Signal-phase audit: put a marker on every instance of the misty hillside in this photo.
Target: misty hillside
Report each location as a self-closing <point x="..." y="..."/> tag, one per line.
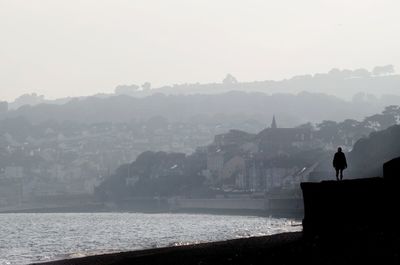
<point x="379" y="84"/>
<point x="342" y="83"/>
<point x="370" y="153"/>
<point x="291" y="110"/>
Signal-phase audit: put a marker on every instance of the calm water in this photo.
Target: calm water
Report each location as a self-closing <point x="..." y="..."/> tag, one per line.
<point x="26" y="238"/>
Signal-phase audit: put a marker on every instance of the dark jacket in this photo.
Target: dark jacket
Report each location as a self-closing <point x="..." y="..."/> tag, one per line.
<point x="339" y="161"/>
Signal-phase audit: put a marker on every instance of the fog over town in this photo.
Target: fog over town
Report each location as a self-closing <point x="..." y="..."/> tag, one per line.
<point x="190" y="139"/>
<point x="194" y="98"/>
<point x="186" y="106"/>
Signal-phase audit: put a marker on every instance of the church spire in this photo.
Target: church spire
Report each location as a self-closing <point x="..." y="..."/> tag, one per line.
<point x="273" y="124"/>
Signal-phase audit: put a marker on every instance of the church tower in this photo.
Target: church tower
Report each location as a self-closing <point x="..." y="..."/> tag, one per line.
<point x="273" y="124"/>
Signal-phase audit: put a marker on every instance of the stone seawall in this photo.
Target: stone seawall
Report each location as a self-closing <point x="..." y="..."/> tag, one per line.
<point x="222" y="204"/>
<point x="292" y="207"/>
<point x="355" y="206"/>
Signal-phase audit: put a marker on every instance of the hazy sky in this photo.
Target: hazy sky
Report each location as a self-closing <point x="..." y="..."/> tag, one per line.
<point x="70" y="47"/>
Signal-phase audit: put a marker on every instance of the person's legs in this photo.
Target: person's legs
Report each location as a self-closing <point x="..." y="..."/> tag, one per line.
<point x="337" y="173"/>
<point x="341" y="174"/>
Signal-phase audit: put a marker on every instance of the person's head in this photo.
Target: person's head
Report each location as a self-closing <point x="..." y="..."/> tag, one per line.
<point x="339" y="149"/>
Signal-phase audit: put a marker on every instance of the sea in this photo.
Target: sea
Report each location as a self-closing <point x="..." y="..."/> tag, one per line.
<point x="38" y="237"/>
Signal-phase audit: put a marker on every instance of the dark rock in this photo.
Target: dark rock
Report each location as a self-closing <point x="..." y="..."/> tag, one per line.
<point x="391" y="170"/>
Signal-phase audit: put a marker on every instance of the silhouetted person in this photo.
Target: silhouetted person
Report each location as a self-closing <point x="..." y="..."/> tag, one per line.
<point x="339" y="163"/>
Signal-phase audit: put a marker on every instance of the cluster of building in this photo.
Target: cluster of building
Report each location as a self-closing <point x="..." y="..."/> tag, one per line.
<point x="272" y="159"/>
<point x="259" y="172"/>
<point x="71" y="163"/>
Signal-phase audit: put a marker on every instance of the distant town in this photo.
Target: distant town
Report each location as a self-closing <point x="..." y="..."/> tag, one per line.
<point x="184" y="147"/>
<point x="47" y="165"/>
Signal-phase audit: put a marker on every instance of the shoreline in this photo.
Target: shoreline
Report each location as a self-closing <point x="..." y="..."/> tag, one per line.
<point x="219" y="252"/>
<point x="291" y="248"/>
<point x="79" y="235"/>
